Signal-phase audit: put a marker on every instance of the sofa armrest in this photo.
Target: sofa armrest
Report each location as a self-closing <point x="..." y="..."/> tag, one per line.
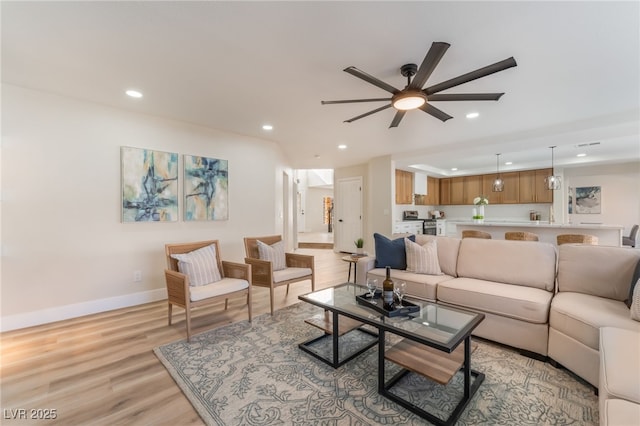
<point x="295" y="260"/>
<point x="177" y="287"/>
<point x="364" y="265"/>
<point x="261" y="271"/>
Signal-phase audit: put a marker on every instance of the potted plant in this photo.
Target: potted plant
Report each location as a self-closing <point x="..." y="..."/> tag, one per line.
<point x="359" y="245"/>
<point x="478" y="213"/>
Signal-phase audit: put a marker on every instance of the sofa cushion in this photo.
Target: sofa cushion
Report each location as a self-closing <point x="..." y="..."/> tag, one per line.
<point x="634" y="283"/>
<point x="201" y="265"/>
<point x="580" y="316"/>
<point x="514" y="301"/>
<point x="523" y="263"/>
<point x="619" y="364"/>
<point x="390" y="253"/>
<point x="290" y="274"/>
<point x="584" y="269"/>
<point x="274" y="253"/>
<point x="618" y="412"/>
<point x="224" y="286"/>
<point x="422" y="286"/>
<point x="448" y="248"/>
<point x="422" y="259"/>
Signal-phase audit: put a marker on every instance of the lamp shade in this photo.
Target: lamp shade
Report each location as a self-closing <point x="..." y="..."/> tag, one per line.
<point x="498" y="183"/>
<point x="408" y="100"/>
<point x="553" y="182"/>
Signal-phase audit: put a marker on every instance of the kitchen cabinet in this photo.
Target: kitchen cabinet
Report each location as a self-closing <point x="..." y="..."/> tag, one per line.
<point x="408" y="227"/>
<point x="433" y="191"/>
<point x="533" y="188"/>
<point x="445" y="191"/>
<point x="457" y="190"/>
<point x="404" y="187"/>
<point x="510" y="193"/>
<point x="472" y="188"/>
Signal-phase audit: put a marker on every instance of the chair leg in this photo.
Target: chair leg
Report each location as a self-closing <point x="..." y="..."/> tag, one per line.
<point x="287" y="293"/>
<point x="249" y="304"/>
<point x="313" y="282"/>
<point x="188" y="315"/>
<point x="170" y="312"/>
<point x="226" y="304"/>
<point x="271" y="290"/>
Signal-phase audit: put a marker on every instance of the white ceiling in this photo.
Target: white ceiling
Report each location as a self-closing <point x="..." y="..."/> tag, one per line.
<point x="237" y="65"/>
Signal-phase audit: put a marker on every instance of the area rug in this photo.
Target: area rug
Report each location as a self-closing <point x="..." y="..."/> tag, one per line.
<point x="255" y="374"/>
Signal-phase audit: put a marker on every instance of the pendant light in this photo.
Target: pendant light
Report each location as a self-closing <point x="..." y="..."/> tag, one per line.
<point x="553" y="182"/>
<point x="498" y="183"/>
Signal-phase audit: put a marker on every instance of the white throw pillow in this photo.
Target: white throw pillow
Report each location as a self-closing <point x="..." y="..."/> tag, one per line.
<point x="422" y="259"/>
<point x="274" y="253"/>
<point x="199" y="265"/>
<point x="635" y="302"/>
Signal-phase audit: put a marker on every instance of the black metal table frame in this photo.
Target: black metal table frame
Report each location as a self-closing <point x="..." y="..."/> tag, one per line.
<point x="469" y="388"/>
<point x="335" y="362"/>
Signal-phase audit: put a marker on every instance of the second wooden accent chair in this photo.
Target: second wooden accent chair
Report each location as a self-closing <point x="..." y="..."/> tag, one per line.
<point x="476" y="234"/>
<point x="196" y="276"/>
<point x="272" y="270"/>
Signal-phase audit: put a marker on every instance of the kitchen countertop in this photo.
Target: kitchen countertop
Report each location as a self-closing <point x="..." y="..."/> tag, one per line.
<point x="536" y="224"/>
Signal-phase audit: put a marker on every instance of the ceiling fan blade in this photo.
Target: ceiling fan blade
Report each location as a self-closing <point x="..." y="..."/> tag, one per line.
<point x="367" y="113"/>
<point x="371" y="79"/>
<point x="429" y="64"/>
<point x="470" y="76"/>
<point x="440" y="115"/>
<point x="349" y="101"/>
<point x="397" y="118"/>
<point x="464" y="97"/>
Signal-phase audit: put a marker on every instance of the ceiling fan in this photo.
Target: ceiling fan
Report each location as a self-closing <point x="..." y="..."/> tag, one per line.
<point x="414" y="96"/>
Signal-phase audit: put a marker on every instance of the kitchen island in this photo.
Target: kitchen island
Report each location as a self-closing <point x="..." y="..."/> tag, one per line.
<point x="608" y="235"/>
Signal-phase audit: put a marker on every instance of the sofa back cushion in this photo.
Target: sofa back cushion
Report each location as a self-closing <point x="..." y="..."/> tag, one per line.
<point x="525" y="263"/>
<point x="596" y="270"/>
<point x="447" y="251"/>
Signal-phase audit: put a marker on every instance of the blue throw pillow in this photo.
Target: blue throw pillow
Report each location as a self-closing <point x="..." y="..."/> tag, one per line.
<point x="391" y="252"/>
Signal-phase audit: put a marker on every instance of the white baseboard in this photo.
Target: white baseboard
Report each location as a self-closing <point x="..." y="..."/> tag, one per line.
<point x="59" y="313"/>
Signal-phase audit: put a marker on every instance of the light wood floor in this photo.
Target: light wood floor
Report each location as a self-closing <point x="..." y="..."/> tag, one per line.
<point x="100" y="369"/>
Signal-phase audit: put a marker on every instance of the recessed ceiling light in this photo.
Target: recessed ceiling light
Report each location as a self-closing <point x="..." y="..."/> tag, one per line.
<point x="133" y="93"/>
<point x="508" y="163"/>
<point x="342" y="146"/>
<point x="473" y="115"/>
<point x="582" y="154"/>
<point x="267" y="127"/>
<point x="453" y="169"/>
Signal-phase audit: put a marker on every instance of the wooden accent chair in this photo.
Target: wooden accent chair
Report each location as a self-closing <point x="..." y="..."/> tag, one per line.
<point x="235" y="281"/>
<point x="520" y="236"/>
<point x="299" y="267"/>
<point x="577" y="239"/>
<point x="476" y="234"/>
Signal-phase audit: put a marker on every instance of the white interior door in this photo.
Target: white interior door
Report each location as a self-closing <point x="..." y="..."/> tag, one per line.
<point x="348" y="213"/>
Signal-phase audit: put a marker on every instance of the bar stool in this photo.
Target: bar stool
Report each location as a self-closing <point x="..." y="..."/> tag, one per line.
<point x="520" y="236"/>
<point x="577" y="238"/>
<point x="476" y="234"/>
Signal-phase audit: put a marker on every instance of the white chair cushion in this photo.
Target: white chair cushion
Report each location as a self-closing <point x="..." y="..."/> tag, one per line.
<point x="422" y="259"/>
<point x="199" y="265"/>
<point x="224" y="286"/>
<point x="290" y="274"/>
<point x="274" y="253"/>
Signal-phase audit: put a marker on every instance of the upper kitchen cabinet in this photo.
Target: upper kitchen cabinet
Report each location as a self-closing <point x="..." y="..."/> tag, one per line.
<point x="404" y="187"/>
<point x="511" y="190"/>
<point x="433" y="191"/>
<point x="445" y="191"/>
<point x="457" y="190"/>
<point x="533" y="188"/>
<point x="472" y="188"/>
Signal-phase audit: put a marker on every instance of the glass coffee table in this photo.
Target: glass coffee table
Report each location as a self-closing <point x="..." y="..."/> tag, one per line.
<point x="434" y="342"/>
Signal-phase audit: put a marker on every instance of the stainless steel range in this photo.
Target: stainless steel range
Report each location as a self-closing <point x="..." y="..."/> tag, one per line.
<point x="428" y="225"/>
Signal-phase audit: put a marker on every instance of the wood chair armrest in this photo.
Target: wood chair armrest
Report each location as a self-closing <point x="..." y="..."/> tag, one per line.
<point x="177" y="286"/>
<point x="261" y="271"/>
<point x="295" y="260"/>
<point x="236" y="270"/>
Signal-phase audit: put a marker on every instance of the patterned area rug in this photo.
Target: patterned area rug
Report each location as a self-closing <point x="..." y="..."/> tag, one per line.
<point x="255" y="374"/>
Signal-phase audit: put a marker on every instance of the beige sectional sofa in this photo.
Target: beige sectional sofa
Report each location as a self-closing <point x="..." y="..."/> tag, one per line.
<point x="551" y="301"/>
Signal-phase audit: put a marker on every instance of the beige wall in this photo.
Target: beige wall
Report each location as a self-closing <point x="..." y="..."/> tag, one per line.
<point x="65" y="251"/>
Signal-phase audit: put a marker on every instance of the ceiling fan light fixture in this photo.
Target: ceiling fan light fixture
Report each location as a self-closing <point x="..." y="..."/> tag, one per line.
<point x="407" y="100"/>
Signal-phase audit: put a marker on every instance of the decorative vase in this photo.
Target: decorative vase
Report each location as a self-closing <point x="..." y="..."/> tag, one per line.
<point x="481" y="212"/>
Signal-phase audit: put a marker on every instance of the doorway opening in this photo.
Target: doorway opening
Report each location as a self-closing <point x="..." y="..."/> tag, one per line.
<point x="314" y="208"/>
